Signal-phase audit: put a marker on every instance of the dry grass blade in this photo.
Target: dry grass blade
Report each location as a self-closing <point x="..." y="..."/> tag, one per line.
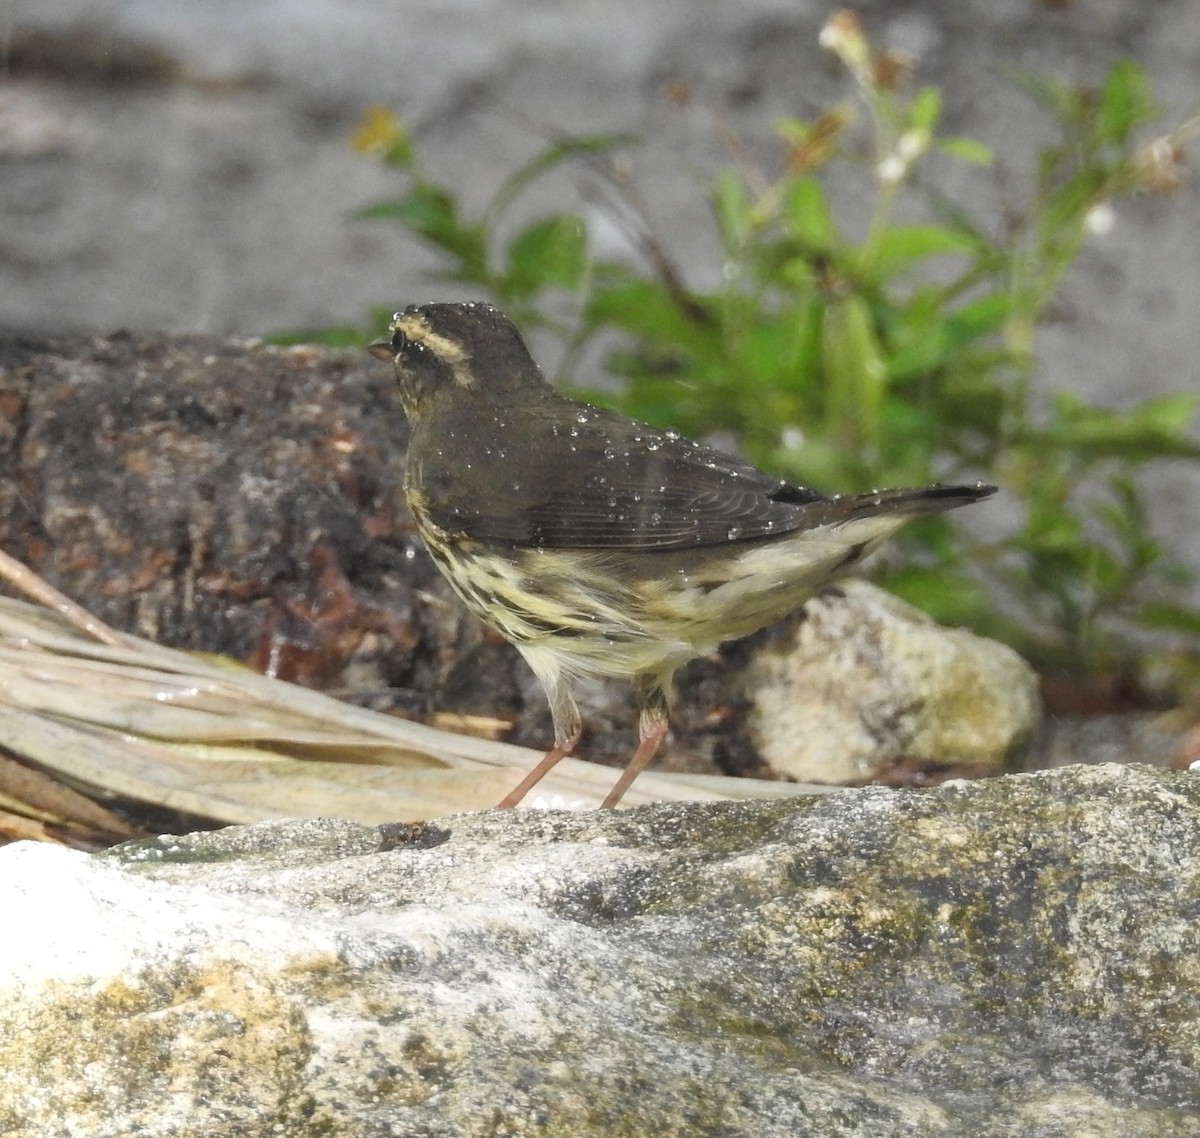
<point x="32" y="804"/>
<point x="125" y="717"/>
<point x="25" y="580"/>
<point x="39" y="796"/>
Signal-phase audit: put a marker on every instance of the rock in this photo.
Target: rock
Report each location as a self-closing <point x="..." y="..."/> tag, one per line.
<point x="1152" y="737"/>
<point x="860" y="683"/>
<point x="1003" y="958"/>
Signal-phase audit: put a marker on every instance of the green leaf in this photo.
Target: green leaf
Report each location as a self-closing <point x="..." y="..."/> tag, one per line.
<point x="1169" y="416"/>
<point x="1181" y="619"/>
<point x="949" y="597"/>
<point x="855" y="372"/>
<point x="807" y="212"/>
<point x="646" y="309"/>
<point x="926" y="341"/>
<point x="979" y="318"/>
<point x="732" y="210"/>
<point x="425" y="208"/>
<point x="1156" y="428"/>
<point x="966" y="150"/>
<point x="1051" y="528"/>
<point x="432" y="213"/>
<point x="552" y="252"/>
<point x="1125" y="102"/>
<point x="926" y="110"/>
<point x="1103" y="572"/>
<point x="901" y="247"/>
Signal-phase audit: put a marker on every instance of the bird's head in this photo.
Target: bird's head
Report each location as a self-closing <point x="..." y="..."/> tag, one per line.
<point x="439" y="350"/>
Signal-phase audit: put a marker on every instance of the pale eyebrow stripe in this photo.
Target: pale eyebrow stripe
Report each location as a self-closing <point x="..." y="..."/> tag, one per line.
<point x="414" y="328"/>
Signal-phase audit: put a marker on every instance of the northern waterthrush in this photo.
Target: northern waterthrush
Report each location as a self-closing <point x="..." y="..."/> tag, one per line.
<point x="598" y="545"/>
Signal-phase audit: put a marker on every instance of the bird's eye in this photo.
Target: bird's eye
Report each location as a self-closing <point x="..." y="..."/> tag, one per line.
<point x="399" y="340"/>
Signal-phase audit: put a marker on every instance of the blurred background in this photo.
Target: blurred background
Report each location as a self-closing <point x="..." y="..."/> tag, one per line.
<point x="184" y="165"/>
<point x="177" y="166"/>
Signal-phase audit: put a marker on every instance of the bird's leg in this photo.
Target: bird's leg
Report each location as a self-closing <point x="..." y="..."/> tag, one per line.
<point x="551" y="759"/>
<point x="567" y="729"/>
<point x="652" y="731"/>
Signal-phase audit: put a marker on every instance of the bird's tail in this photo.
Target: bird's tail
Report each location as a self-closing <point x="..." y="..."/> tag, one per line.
<point x="920" y="500"/>
<point x="898" y="505"/>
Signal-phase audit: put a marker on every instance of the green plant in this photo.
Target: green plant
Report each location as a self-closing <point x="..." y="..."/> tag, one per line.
<point x="897" y="355"/>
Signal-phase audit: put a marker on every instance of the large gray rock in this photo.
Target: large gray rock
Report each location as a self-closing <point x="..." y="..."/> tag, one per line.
<point x="1004" y="958"/>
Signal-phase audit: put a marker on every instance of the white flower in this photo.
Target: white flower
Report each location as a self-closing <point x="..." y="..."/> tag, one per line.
<point x="1100" y="219"/>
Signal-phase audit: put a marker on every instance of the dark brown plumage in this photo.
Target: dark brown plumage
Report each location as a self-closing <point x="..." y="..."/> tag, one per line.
<point x="596" y="544"/>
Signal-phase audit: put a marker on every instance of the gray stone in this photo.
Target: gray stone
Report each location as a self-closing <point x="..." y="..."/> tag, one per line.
<point x="860" y="682"/>
<point x="1013" y="957"/>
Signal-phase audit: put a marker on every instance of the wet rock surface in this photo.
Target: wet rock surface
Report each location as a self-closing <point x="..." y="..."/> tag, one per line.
<point x="1002" y="958"/>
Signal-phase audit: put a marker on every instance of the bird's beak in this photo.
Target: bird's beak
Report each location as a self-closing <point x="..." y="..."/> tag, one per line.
<point x="382" y="350"/>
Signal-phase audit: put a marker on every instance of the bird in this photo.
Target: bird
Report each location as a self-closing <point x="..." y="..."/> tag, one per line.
<point x="598" y="545"/>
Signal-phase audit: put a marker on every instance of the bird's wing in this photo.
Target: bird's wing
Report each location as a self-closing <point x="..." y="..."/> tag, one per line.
<point x="593" y="479"/>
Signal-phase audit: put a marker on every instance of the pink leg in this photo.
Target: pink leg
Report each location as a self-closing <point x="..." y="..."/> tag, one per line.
<point x="567" y="729"/>
<point x="652" y="729"/>
<point x="551" y="760"/>
<point x="647" y="749"/>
